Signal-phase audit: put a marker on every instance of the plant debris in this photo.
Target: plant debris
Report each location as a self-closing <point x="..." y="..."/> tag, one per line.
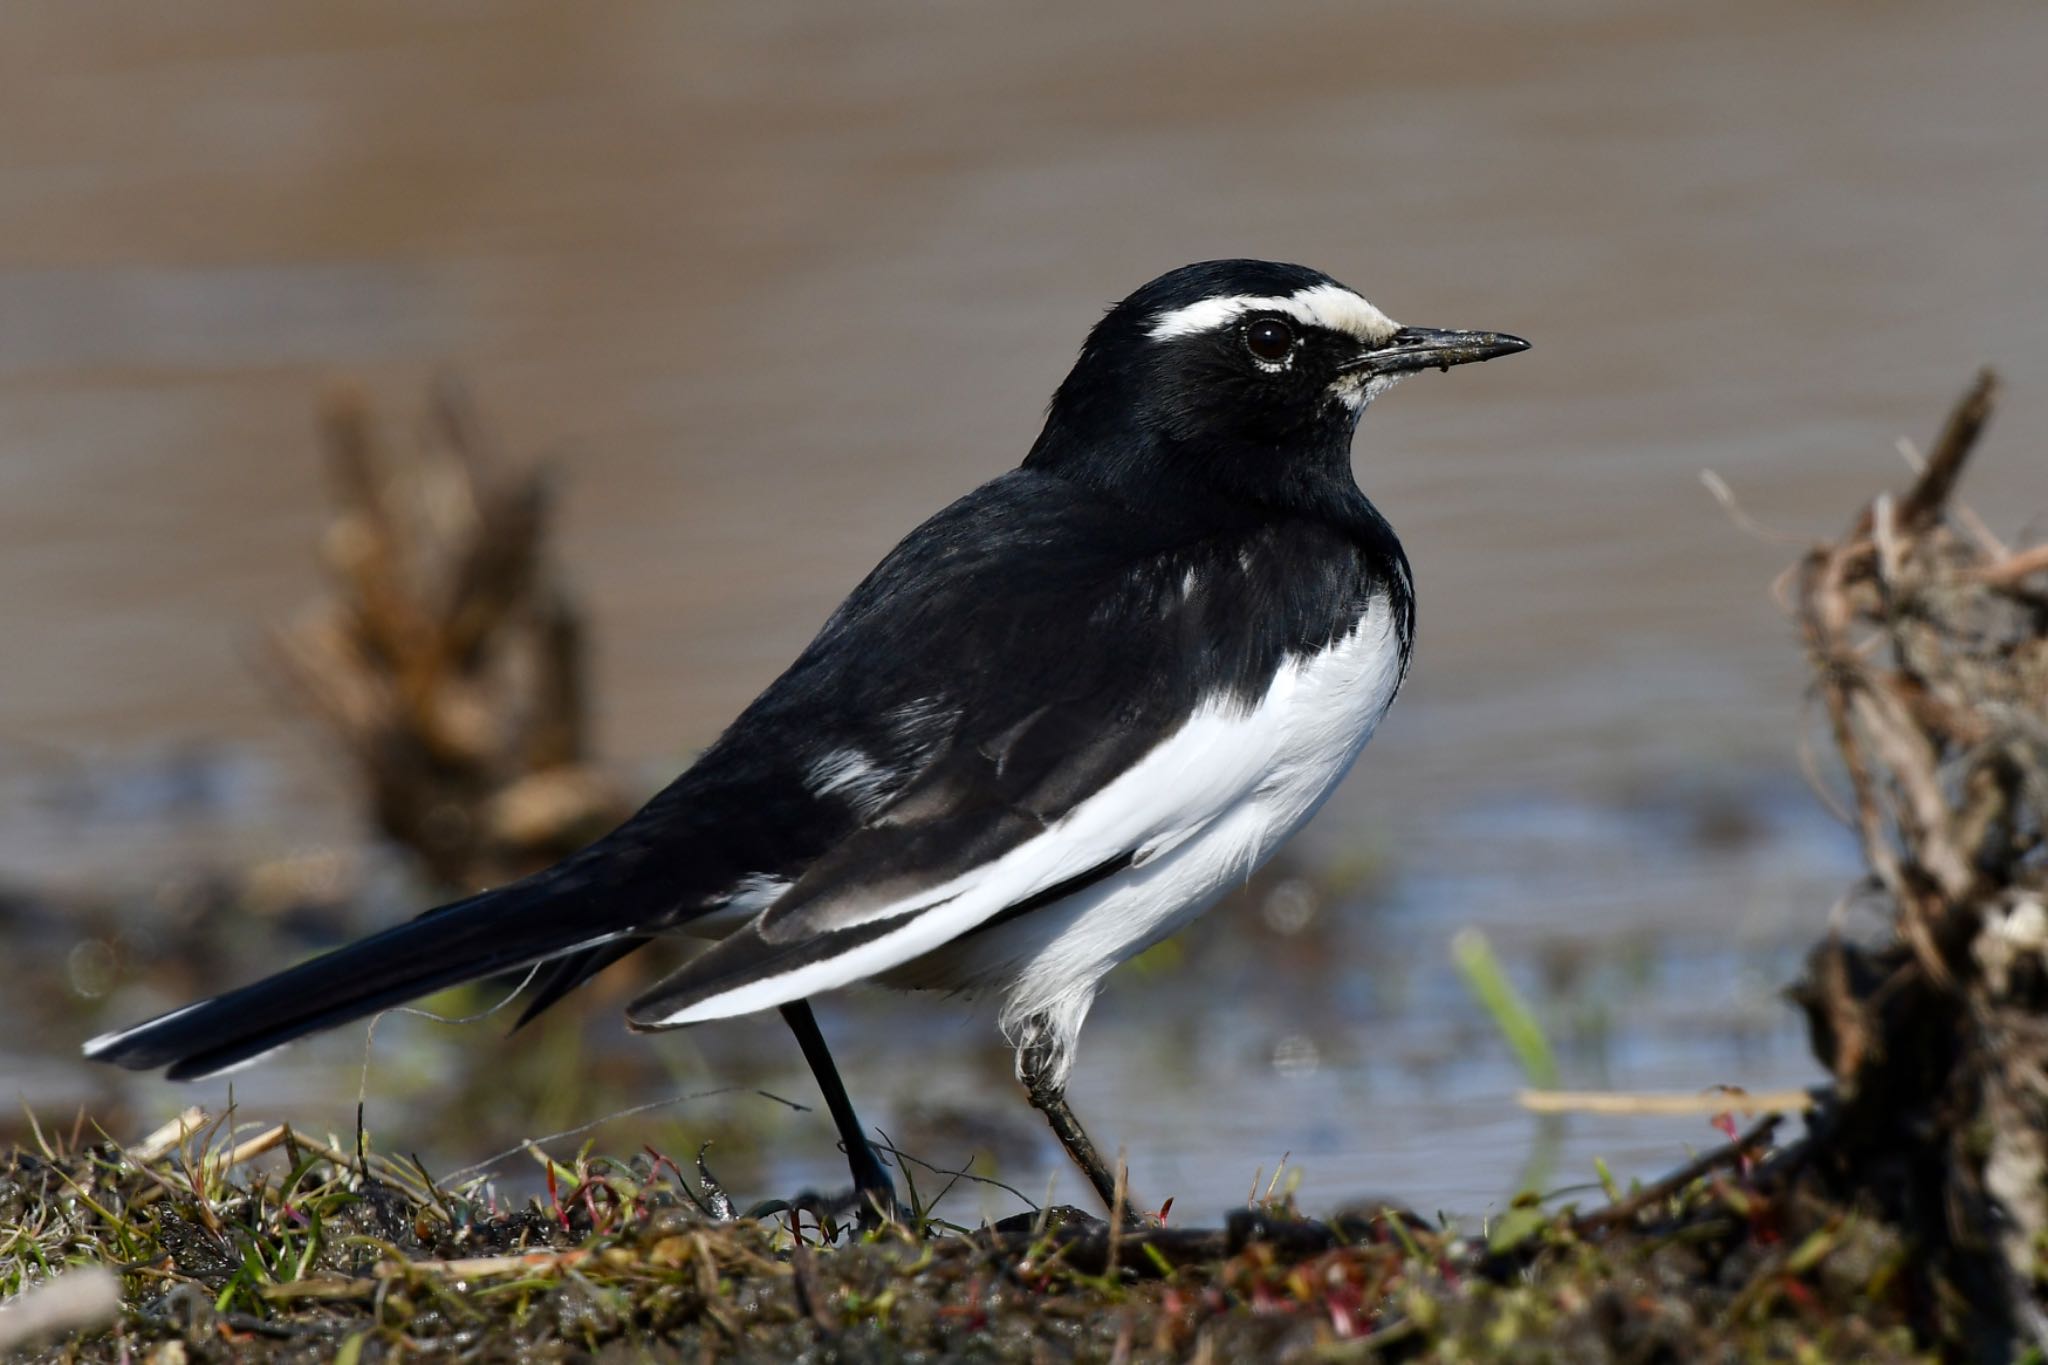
<point x="1928" y="639"/>
<point x="292" y="1249"/>
<point x="450" y="667"/>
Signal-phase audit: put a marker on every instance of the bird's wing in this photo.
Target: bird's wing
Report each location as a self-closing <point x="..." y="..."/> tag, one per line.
<point x="1089" y="700"/>
<point x="968" y="842"/>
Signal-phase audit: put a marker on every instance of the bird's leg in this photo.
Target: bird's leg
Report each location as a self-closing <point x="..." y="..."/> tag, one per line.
<point x="1036" y="1069"/>
<point x="872" y="1187"/>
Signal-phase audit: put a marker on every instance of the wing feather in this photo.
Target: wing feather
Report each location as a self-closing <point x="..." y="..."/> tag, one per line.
<point x="971" y="850"/>
<point x="1085" y="681"/>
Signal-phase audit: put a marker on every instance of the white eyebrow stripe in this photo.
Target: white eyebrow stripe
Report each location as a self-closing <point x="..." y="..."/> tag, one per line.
<point x="1319" y="305"/>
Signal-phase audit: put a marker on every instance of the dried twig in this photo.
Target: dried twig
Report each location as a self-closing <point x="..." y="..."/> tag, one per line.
<point x="1647" y="1104"/>
<point x="1966" y="422"/>
<point x="1728" y="1154"/>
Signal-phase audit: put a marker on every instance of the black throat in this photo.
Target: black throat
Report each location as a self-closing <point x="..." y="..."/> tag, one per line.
<point x="1141" y="448"/>
<point x="1289" y="507"/>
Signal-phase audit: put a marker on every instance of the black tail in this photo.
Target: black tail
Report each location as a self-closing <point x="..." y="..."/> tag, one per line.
<point x="547" y="915"/>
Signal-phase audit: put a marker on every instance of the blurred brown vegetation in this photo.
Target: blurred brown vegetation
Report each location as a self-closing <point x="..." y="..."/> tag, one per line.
<point x="1928" y="639"/>
<point x="449" y="665"/>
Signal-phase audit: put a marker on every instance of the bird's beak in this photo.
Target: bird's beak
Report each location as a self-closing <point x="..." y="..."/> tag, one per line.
<point x="1433" y="348"/>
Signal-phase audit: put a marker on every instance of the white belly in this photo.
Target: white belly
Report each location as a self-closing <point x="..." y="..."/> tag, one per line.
<point x="1299" y="740"/>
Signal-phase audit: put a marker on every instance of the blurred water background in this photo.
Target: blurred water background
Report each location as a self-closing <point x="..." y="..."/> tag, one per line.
<point x="769" y="282"/>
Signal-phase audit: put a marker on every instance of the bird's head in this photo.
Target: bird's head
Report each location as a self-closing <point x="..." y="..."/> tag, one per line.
<point x="1239" y="373"/>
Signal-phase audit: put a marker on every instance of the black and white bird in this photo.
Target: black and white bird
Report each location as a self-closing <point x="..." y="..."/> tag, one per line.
<point x="1062" y="718"/>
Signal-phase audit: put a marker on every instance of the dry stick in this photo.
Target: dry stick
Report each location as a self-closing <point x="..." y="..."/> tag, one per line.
<point x="1116" y="1208"/>
<point x="1824" y="616"/>
<point x="166" y="1139"/>
<point x="1836" y="678"/>
<point x="265" y="1141"/>
<point x="1922" y="504"/>
<point x="333" y="1156"/>
<point x="1884" y="534"/>
<point x="469" y="1268"/>
<point x="1904" y="749"/>
<point x="2009" y="571"/>
<point x="1726" y="1155"/>
<point x="477" y="1267"/>
<point x="1647" y="1103"/>
<point x="1916" y="912"/>
<point x="1958" y="437"/>
<point x="1809" y="767"/>
<point x="322" y="1289"/>
<point x="1860" y="708"/>
<point x="1744" y="522"/>
<point x="1937" y="715"/>
<point x="1986" y="539"/>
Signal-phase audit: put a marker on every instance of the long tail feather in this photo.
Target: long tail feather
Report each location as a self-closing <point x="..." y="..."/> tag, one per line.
<point x="498" y="931"/>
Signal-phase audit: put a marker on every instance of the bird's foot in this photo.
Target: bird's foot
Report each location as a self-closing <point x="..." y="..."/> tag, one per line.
<point x="874" y="1193"/>
<point x="868" y="1210"/>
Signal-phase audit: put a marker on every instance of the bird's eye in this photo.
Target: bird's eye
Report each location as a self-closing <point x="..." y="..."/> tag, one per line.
<point x="1269" y="339"/>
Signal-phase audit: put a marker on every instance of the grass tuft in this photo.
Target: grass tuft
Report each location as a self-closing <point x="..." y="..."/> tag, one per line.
<point x="257" y="1242"/>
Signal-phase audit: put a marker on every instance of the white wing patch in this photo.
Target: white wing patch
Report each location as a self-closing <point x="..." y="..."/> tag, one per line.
<point x="1320" y="305"/>
<point x="750" y="895"/>
<point x="1252" y="774"/>
<point x="851" y="772"/>
<point x="1166" y="796"/>
<point x="917" y="724"/>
